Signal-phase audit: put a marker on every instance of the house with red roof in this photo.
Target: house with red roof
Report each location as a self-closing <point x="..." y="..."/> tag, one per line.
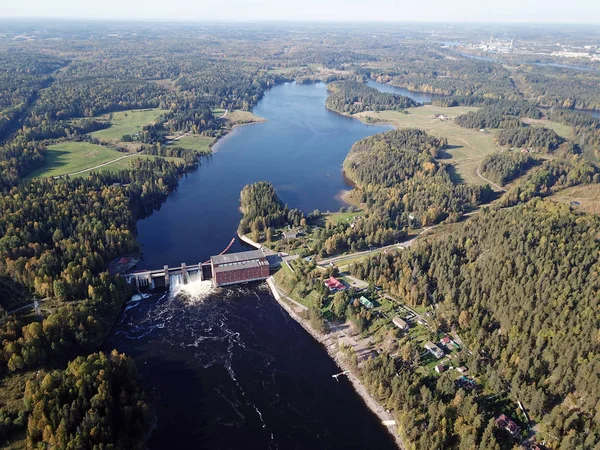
<point x="506" y="423"/>
<point x="333" y="284"/>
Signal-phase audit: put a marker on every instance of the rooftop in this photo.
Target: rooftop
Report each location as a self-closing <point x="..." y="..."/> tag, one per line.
<point x="237" y="257"/>
<point x="238" y="265"/>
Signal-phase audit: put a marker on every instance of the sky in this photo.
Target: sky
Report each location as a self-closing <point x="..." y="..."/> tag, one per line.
<point x="553" y="11"/>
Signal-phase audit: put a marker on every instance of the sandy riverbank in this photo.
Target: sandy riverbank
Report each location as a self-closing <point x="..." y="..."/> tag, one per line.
<point x="327" y="340"/>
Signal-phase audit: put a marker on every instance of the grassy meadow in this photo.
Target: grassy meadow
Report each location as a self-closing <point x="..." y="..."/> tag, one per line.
<point x="194" y="142"/>
<point x="69" y="157"/>
<point x="127" y="122"/>
<point x="467" y="147"/>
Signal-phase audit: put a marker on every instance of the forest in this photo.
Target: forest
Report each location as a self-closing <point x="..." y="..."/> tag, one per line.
<point x="57" y="236"/>
<point x="264" y="211"/>
<point x="551" y="176"/>
<point x="351" y="97"/>
<point x="537" y="138"/>
<point x="503" y="167"/>
<point x="398" y="175"/>
<point x="499" y="114"/>
<point x="520" y="285"/>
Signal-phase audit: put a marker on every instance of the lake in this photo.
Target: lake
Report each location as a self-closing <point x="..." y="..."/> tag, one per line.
<point x="228" y="368"/>
<point x="300" y="149"/>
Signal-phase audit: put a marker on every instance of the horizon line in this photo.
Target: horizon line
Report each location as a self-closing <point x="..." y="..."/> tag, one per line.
<point x="286" y="21"/>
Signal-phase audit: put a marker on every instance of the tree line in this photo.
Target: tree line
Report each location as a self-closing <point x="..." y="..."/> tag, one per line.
<point x="503" y="167"/>
<point x="518" y="285"/>
<point x="352" y="97"/>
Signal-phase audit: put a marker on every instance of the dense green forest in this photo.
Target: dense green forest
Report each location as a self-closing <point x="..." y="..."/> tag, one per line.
<point x="537" y="138"/>
<point x="504" y="167"/>
<point x="97" y="402"/>
<point x="586" y="128"/>
<point x="521" y="287"/>
<point x="560" y="87"/>
<point x="57" y="236"/>
<point x="550" y="177"/>
<point x="398" y="175"/>
<point x="264" y="211"/>
<point x="500" y="114"/>
<point x="428" y="70"/>
<point x="352" y="97"/>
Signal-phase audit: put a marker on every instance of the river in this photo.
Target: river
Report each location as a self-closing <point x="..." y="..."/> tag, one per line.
<point x="421" y="97"/>
<point x="228" y="368"/>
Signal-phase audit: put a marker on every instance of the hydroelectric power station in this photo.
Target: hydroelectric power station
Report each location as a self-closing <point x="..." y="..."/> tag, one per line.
<point x="223" y="270"/>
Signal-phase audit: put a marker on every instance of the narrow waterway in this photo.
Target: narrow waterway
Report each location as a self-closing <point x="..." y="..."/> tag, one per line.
<point x="228" y="368"/>
<point x="421" y="97"/>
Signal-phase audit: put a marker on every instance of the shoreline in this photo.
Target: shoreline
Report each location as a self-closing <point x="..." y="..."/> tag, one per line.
<point x="357" y="384"/>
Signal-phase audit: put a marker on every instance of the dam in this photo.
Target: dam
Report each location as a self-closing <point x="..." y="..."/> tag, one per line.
<point x="223" y="270"/>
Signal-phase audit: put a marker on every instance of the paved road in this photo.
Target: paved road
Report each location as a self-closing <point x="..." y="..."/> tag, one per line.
<point x="405" y="244"/>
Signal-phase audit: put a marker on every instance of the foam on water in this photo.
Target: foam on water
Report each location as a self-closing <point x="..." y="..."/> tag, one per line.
<point x="194" y="291"/>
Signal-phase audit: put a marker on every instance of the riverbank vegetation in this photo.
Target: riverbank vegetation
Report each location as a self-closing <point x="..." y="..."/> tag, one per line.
<point x="508" y="351"/>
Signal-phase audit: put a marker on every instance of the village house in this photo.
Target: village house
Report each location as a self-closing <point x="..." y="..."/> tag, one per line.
<point x="290" y="234"/>
<point x="400" y="323"/>
<point x="333" y="284"/>
<point x="440" y="368"/>
<point x="462" y="370"/>
<point x="506" y="423"/>
<point x="434" y="349"/>
<point x="447" y="342"/>
<point x="366" y="302"/>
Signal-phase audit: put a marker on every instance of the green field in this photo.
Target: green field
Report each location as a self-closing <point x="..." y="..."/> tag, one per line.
<point x="125" y="163"/>
<point x="69" y="157"/>
<point x="564" y="131"/>
<point x="588" y="197"/>
<point x="339" y="217"/>
<point x="194" y="142"/>
<point x="127" y="122"/>
<point x="467" y="147"/>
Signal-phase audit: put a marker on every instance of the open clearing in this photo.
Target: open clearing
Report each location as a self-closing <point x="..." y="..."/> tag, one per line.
<point x="564" y="131"/>
<point x="588" y="197"/>
<point x="68" y="157"/>
<point x="467" y="147"/>
<point x="193" y="142"/>
<point x="125" y="163"/>
<point x="127" y="122"/>
<point x="239" y="117"/>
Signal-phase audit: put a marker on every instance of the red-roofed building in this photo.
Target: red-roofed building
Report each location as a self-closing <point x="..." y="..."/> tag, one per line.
<point x="334" y="284"/>
<point x="506" y="423"/>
